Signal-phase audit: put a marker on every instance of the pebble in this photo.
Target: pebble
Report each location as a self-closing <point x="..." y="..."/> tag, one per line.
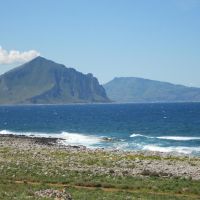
<point x="41" y="147"/>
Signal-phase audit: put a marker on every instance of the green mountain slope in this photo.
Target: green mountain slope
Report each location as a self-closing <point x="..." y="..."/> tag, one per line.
<point x="131" y="89"/>
<point x="42" y="81"/>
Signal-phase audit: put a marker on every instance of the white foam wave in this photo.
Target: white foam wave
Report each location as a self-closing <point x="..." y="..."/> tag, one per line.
<point x="178" y="149"/>
<point x="137" y="135"/>
<point x="178" y="138"/>
<point x="5" y="132"/>
<point x="91" y="141"/>
<point x="79" y="139"/>
<point x="68" y="138"/>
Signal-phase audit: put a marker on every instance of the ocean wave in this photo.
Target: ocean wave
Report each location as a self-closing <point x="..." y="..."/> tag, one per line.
<point x="178" y="149"/>
<point x="139" y="135"/>
<point x="93" y="141"/>
<point x="79" y="139"/>
<point x="5" y="132"/>
<point x="177" y="138"/>
<point x="68" y="138"/>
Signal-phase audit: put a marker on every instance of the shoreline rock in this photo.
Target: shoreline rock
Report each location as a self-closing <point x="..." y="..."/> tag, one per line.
<point x="118" y="162"/>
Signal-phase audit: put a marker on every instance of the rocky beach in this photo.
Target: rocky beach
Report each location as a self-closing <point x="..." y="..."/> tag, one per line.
<point x="113" y="162"/>
<point x="46" y="160"/>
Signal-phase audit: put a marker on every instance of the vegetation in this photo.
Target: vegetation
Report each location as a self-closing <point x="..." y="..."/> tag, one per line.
<point x="42" y="81"/>
<point x="25" y="171"/>
<point x="131" y="89"/>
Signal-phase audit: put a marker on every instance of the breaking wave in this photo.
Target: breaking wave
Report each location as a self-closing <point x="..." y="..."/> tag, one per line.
<point x="176" y="138"/>
<point x="94" y="141"/>
<point x="68" y="138"/>
<point x="178" y="149"/>
<point x="137" y="135"/>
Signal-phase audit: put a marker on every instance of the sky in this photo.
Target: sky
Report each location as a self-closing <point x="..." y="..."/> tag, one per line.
<point x="155" y="39"/>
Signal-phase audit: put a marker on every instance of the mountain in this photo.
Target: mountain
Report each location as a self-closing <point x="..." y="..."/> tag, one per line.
<point x="42" y="81"/>
<point x="131" y="89"/>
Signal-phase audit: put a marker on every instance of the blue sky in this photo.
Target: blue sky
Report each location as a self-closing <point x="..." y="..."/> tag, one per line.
<point x="154" y="39"/>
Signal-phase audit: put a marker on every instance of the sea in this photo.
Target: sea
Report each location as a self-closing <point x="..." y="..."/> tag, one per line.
<point x="161" y="127"/>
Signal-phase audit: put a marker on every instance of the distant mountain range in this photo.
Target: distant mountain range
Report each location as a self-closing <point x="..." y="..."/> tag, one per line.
<point x="139" y="90"/>
<point x="42" y="81"/>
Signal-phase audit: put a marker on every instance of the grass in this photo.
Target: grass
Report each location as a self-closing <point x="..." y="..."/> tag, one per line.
<point x="27" y="191"/>
<point x="44" y="168"/>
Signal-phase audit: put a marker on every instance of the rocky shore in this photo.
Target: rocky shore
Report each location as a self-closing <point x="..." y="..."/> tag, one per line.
<point x="54" y="155"/>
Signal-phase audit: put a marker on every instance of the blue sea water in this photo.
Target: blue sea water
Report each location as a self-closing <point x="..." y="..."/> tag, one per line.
<point x="173" y="127"/>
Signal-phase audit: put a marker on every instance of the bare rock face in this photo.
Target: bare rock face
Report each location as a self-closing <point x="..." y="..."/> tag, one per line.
<point x="42" y="81"/>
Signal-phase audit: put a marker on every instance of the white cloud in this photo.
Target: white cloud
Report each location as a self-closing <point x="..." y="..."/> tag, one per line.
<point x="14" y="56"/>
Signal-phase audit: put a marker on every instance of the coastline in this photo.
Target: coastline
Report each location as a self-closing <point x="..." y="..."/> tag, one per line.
<point x="114" y="162"/>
